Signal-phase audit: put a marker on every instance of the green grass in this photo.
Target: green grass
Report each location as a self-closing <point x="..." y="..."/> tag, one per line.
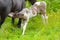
<point x="36" y="30"/>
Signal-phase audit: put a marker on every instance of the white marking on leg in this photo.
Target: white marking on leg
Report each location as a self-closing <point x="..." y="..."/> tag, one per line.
<point x="46" y="18"/>
<point x="43" y="18"/>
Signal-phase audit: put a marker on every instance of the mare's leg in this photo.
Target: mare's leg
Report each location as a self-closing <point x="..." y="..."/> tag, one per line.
<point x="19" y="23"/>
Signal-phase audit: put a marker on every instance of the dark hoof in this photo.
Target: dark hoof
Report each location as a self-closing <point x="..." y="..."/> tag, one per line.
<point x="18" y="26"/>
<point x="0" y="26"/>
<point x="12" y="23"/>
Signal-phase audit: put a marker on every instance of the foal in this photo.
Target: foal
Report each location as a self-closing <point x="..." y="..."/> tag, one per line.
<point x="27" y="13"/>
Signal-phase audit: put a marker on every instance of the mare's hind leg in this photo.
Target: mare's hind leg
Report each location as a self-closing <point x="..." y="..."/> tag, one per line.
<point x="2" y="19"/>
<point x="4" y="13"/>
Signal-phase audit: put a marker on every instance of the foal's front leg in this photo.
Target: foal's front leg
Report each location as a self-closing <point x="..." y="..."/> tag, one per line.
<point x="24" y="26"/>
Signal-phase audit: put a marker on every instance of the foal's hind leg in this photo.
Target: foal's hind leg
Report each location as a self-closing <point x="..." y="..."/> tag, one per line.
<point x="44" y="16"/>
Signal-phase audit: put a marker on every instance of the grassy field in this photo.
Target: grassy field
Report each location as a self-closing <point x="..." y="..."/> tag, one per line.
<point x="36" y="30"/>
